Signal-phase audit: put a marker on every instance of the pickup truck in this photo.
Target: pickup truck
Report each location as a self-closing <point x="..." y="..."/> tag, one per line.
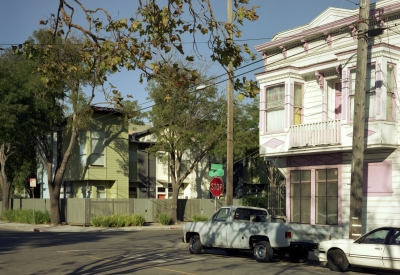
<point x="235" y="228"/>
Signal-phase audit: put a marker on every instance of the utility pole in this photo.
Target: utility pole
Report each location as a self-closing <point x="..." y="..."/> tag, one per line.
<point x="357" y="158"/>
<point x="229" y="147"/>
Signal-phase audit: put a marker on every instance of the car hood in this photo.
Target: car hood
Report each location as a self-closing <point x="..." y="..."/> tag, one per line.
<point x="343" y="244"/>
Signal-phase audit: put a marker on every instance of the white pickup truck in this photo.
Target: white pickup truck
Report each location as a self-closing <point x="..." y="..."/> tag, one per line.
<point x="235" y="228"/>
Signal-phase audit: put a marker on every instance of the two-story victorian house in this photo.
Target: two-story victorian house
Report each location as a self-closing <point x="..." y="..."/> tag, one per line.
<point x="306" y="116"/>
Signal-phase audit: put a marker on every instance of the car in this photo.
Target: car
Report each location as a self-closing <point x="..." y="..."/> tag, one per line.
<point x="377" y="249"/>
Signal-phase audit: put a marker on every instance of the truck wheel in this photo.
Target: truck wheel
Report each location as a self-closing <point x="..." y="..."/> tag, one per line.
<point x="195" y="246"/>
<point x="298" y="254"/>
<point x="263" y="251"/>
<point x="337" y="261"/>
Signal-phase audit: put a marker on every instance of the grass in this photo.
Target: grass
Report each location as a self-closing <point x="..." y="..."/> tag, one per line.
<point x="118" y="220"/>
<point x="26" y="216"/>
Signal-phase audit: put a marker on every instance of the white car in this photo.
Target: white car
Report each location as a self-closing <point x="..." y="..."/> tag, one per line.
<point x="377" y="249"/>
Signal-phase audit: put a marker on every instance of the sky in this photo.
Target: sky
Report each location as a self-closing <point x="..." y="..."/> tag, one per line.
<point x="19" y="18"/>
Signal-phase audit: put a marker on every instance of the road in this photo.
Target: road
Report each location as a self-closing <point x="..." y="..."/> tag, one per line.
<point x="139" y="252"/>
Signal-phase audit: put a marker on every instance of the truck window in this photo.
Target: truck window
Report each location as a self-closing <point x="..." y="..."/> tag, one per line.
<point x="222" y="215"/>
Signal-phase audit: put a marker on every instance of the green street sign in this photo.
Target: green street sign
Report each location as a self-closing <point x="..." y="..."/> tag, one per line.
<point x="216" y="173"/>
<point x="215" y="166"/>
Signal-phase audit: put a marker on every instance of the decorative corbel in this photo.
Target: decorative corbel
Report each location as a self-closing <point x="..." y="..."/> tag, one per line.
<point x="305" y="45"/>
<point x="381" y="22"/>
<point x="284" y="51"/>
<point x="328" y="39"/>
<point x="353" y="32"/>
<point x="264" y="57"/>
<point x="320" y="79"/>
<point x="339" y="70"/>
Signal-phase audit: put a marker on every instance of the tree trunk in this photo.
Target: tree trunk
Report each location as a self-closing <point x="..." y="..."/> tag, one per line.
<point x="5" y="185"/>
<point x="55" y="185"/>
<point x="174" y="202"/>
<point x="5" y="189"/>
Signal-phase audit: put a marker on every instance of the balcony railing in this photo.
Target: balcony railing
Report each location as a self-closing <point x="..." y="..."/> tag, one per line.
<point x="314" y="134"/>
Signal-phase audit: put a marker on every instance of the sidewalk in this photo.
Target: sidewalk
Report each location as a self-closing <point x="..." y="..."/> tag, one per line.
<point x="70" y="228"/>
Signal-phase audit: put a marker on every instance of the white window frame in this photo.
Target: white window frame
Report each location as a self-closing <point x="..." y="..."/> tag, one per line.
<point x="97" y="155"/>
<point x="275" y="109"/>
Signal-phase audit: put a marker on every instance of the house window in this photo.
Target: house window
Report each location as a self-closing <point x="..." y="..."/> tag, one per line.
<point x="298" y="104"/>
<point x="338" y="100"/>
<point x="300" y="190"/>
<point x="275" y="106"/>
<point x="326" y="196"/>
<point x="82" y="147"/>
<point x="326" y="184"/>
<point x="97" y="148"/>
<point x="390" y="90"/>
<point x="101" y="192"/>
<point x="370" y="88"/>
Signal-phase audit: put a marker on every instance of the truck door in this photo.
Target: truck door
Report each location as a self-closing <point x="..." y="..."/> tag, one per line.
<point x="217" y="231"/>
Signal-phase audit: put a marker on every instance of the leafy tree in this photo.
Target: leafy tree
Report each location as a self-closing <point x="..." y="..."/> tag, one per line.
<point x="187" y="126"/>
<point x="18" y="85"/>
<point x="64" y="73"/>
<point x="110" y="44"/>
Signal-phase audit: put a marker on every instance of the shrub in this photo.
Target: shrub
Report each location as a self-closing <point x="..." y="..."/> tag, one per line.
<point x="199" y="218"/>
<point x="255" y="201"/>
<point x="164" y="219"/>
<point x="26" y="216"/>
<point x="118" y="220"/>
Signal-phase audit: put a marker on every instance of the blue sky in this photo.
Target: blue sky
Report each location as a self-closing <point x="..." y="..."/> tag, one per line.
<point x="19" y="18"/>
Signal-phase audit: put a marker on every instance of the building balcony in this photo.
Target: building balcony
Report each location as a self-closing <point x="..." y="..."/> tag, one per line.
<point x="327" y="137"/>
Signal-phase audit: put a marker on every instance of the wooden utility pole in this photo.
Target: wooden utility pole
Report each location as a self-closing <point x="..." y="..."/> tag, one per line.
<point x="229" y="147"/>
<point x="357" y="159"/>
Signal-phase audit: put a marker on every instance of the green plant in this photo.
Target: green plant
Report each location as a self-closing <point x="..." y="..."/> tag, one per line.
<point x="118" y="220"/>
<point x="164" y="218"/>
<point x="255" y="201"/>
<point x="26" y="216"/>
<point x="199" y="218"/>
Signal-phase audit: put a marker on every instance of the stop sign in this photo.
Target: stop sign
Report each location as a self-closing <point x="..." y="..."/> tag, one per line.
<point x="216" y="187"/>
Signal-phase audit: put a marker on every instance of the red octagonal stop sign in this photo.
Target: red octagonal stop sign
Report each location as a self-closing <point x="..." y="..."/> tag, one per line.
<point x="216" y="187"/>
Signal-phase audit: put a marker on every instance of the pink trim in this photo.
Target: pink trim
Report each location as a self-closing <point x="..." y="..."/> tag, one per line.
<point x="305" y="45"/>
<point x="377" y="178"/>
<point x="263" y="111"/>
<point x="328" y="38"/>
<point x="378" y="88"/>
<point x="288" y="196"/>
<point x="314" y="162"/>
<point x="321" y="80"/>
<point x="273" y="143"/>
<point x="284" y="51"/>
<point x="327" y="27"/>
<point x="338" y="102"/>
<point x="288" y="103"/>
<point x="353" y="32"/>
<point x="345" y="96"/>
<point x="264" y="57"/>
<point x="312" y="201"/>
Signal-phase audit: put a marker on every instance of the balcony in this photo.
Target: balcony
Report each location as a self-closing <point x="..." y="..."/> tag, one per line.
<point x="315" y="134"/>
<point x="328" y="137"/>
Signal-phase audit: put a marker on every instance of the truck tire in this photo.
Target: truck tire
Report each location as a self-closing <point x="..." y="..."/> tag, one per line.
<point x="337" y="261"/>
<point x="195" y="246"/>
<point x="297" y="254"/>
<point x="263" y="252"/>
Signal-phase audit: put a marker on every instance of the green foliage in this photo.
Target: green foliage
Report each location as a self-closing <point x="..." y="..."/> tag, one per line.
<point x="164" y="218"/>
<point x="199" y="218"/>
<point x="26" y="216"/>
<point x="255" y="201"/>
<point x="152" y="30"/>
<point x="118" y="220"/>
